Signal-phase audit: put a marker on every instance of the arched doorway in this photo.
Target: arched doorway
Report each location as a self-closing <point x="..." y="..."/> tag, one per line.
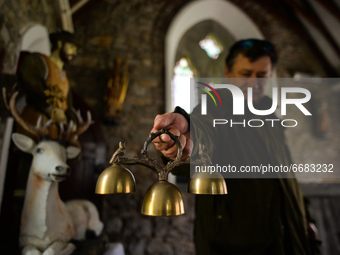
<point x="233" y="21"/>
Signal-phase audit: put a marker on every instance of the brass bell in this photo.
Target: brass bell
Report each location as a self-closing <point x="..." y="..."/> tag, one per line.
<point x="116" y="179"/>
<point x="163" y="199"/>
<point x="207" y="183"/>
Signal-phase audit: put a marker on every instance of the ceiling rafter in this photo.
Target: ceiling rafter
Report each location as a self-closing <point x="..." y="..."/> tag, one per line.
<point x="331" y="7"/>
<point x="308" y="12"/>
<point x="81" y="8"/>
<point x="76" y="6"/>
<point x="288" y="17"/>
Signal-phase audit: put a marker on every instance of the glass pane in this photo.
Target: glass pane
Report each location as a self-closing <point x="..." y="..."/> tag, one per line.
<point x="180" y="85"/>
<point x="211" y="46"/>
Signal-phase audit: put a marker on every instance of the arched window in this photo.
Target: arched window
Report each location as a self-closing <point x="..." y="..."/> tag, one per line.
<point x="227" y="15"/>
<point x="211" y="46"/>
<point x="180" y="84"/>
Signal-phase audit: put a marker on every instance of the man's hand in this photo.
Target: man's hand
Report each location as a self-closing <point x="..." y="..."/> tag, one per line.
<point x="177" y="125"/>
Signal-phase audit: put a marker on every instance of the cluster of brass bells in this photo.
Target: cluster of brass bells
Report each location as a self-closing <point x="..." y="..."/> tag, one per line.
<point x="162" y="198"/>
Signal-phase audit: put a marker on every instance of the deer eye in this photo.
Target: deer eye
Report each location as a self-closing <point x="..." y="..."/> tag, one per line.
<point x="40" y="150"/>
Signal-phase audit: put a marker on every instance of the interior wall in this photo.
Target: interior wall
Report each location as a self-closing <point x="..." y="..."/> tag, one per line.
<point x="135" y="30"/>
<point x="15" y="16"/>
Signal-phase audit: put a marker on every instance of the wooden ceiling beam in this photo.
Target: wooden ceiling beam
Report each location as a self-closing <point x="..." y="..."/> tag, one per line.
<point x="308" y="12"/>
<point x="331" y="7"/>
<point x="85" y="9"/>
<point x="78" y="5"/>
<point x="284" y="15"/>
<point x="287" y="15"/>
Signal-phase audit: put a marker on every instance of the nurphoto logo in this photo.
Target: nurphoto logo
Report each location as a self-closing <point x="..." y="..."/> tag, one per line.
<point x="239" y="99"/>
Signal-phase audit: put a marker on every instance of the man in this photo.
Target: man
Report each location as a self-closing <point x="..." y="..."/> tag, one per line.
<point x="258" y="216"/>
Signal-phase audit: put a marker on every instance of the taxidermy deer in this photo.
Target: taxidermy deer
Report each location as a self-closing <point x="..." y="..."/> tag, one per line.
<point x="47" y="223"/>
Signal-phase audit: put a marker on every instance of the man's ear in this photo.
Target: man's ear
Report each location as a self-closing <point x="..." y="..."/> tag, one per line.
<point x="226" y="71"/>
<point x="23" y="142"/>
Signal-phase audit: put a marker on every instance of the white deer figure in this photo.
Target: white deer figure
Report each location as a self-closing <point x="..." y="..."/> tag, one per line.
<point x="47" y="223"/>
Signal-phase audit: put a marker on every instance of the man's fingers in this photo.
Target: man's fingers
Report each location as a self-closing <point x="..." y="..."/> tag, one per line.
<point x="170" y="153"/>
<point x="170" y="120"/>
<point x="165" y="138"/>
<point x="177" y="125"/>
<point x="163" y="121"/>
<point x="162" y="146"/>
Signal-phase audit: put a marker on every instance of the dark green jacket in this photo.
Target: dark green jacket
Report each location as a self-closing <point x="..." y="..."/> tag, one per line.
<point x="258" y="215"/>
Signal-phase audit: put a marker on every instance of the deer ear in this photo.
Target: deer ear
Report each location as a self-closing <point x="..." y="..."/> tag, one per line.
<point x="23" y="142"/>
<point x="72" y="152"/>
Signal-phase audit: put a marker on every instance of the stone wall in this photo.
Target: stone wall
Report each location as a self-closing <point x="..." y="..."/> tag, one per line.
<point x="15" y="16"/>
<point x="294" y="51"/>
<point x="135" y="30"/>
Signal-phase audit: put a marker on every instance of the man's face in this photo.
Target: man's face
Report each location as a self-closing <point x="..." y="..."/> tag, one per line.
<point x="67" y="52"/>
<point x="243" y="68"/>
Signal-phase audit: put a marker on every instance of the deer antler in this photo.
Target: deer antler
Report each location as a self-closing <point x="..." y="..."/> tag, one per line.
<point x="14" y="112"/>
<point x="41" y="130"/>
<point x="4" y="95"/>
<point x="82" y="126"/>
<point x="38" y="131"/>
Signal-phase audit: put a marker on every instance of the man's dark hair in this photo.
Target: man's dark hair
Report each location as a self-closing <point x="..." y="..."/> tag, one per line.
<point x="63" y="36"/>
<point x="252" y="49"/>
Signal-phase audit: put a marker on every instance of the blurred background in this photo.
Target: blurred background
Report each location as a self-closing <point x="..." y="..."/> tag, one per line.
<point x="149" y="49"/>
